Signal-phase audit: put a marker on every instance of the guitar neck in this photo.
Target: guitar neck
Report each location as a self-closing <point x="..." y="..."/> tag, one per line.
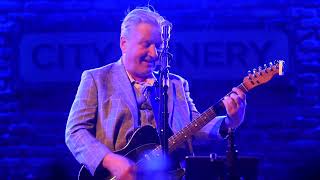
<point x="194" y="126"/>
<point x="181" y="136"/>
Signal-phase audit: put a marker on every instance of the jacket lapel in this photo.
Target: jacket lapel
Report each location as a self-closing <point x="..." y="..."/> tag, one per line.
<point x="171" y="97"/>
<point x="125" y="90"/>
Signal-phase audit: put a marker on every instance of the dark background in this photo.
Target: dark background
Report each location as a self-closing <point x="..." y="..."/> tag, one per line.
<point x="281" y="127"/>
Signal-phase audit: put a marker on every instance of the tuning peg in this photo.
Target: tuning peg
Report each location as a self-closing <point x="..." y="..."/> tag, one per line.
<point x="265" y="68"/>
<point x="260" y="70"/>
<point x="254" y="70"/>
<point x="249" y="74"/>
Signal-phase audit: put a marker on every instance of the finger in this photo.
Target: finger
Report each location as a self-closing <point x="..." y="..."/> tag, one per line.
<point x="239" y="92"/>
<point x="128" y="174"/>
<point x="229" y="103"/>
<point x="242" y="95"/>
<point x="236" y="99"/>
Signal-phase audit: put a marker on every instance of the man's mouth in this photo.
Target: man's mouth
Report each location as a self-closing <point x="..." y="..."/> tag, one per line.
<point x="150" y="61"/>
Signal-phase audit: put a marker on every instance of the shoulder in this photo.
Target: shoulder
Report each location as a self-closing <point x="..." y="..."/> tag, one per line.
<point x="177" y="78"/>
<point x="103" y="70"/>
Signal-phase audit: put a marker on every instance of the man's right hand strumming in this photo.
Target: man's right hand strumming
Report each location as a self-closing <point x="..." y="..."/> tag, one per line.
<point x="119" y="166"/>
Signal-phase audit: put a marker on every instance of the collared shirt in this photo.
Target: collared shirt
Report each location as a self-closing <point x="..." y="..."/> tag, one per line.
<point x="141" y="86"/>
<point x="143" y="91"/>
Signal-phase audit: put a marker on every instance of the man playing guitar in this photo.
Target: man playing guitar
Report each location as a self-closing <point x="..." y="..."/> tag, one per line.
<point x="115" y="100"/>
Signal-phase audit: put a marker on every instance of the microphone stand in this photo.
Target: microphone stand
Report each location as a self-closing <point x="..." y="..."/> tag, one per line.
<point x="164" y="114"/>
<point x="232" y="157"/>
<point x="164" y="86"/>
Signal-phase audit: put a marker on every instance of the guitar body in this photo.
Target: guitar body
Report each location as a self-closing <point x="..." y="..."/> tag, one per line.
<point x="143" y="140"/>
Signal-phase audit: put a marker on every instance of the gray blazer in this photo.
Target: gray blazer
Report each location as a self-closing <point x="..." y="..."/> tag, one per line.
<point x="105" y="111"/>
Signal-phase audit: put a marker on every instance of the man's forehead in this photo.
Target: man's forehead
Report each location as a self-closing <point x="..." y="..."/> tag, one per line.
<point x="152" y="39"/>
<point x="148" y="26"/>
<point x="150" y="32"/>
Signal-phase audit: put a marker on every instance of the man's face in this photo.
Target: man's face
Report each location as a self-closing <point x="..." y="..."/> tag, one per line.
<point x="139" y="49"/>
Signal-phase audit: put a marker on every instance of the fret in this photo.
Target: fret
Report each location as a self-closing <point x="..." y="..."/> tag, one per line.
<point x="240" y="86"/>
<point x="243" y="88"/>
<point x="182" y="135"/>
<point x="173" y="140"/>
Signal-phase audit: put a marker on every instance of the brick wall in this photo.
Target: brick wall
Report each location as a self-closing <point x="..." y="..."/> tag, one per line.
<point x="282" y="122"/>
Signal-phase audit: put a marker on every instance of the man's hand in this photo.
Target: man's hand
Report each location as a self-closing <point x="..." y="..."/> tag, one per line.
<point x="235" y="105"/>
<point x="119" y="166"/>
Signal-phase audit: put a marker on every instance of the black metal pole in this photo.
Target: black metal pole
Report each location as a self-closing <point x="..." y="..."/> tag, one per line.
<point x="164" y="86"/>
<point x="164" y="112"/>
<point x="232" y="157"/>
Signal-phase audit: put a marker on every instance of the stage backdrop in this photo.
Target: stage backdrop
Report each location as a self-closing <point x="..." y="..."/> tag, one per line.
<point x="46" y="45"/>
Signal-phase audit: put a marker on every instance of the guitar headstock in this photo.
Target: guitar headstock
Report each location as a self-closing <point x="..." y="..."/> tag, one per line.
<point x="263" y="74"/>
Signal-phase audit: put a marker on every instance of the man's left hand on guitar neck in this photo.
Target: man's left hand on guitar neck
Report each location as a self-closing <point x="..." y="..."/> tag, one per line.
<point x="235" y="105"/>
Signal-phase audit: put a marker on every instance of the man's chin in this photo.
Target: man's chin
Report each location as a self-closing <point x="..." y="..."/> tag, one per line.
<point x="149" y="68"/>
<point x="147" y="74"/>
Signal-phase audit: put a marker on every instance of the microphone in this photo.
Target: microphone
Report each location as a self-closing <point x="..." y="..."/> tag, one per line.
<point x="166" y="27"/>
<point x="165" y="56"/>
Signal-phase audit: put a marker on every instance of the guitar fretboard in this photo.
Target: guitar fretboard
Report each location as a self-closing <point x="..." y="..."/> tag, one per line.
<point x="180" y="137"/>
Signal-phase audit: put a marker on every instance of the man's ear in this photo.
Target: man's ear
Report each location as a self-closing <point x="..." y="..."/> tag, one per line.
<point x="123" y="44"/>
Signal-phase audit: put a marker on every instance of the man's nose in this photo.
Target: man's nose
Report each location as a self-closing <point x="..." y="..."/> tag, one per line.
<point x="153" y="51"/>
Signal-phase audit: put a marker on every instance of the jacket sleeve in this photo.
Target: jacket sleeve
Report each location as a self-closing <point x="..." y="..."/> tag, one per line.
<point x="81" y="125"/>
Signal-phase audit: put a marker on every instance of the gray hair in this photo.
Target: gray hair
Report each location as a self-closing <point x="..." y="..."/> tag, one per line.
<point x="140" y="15"/>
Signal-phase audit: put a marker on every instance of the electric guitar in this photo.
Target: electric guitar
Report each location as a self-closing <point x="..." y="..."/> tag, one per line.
<point x="143" y="146"/>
